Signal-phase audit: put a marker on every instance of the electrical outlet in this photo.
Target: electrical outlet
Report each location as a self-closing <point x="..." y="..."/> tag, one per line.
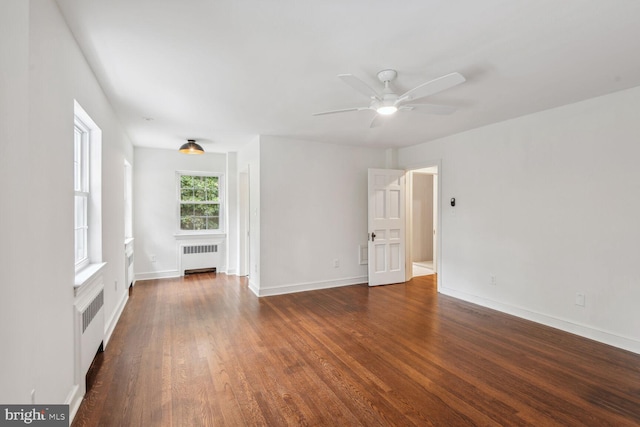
<point x="580" y="299"/>
<point x="492" y="278"/>
<point x="116" y="285"/>
<point x="33" y="396"/>
<point x="153" y="258"/>
<point x="336" y="263"/>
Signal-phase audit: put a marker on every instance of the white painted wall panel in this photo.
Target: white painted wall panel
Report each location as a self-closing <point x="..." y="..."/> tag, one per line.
<point x="548" y="204"/>
<point x="45" y="73"/>
<point x="16" y="275"/>
<point x="314" y="211"/>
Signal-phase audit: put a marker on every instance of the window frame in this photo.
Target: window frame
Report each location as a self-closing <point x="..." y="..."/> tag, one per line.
<point x="220" y="203"/>
<point x="92" y="172"/>
<point x="82" y="191"/>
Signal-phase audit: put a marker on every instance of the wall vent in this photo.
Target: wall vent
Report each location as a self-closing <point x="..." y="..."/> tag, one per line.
<point x="90" y="312"/>
<point x="199" y="249"/>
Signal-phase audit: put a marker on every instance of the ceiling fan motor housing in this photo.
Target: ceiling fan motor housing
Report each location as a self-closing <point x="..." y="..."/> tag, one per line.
<point x="387" y="75"/>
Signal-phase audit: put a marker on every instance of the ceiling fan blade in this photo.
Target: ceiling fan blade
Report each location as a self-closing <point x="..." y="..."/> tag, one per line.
<point x="344" y="110"/>
<point x="376" y="122"/>
<point x="431" y="108"/>
<point x="359" y="85"/>
<point x="434" y="86"/>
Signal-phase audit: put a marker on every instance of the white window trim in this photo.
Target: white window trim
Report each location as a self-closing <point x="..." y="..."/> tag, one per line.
<point x="83" y="191"/>
<point x="94" y="153"/>
<point x="179" y="234"/>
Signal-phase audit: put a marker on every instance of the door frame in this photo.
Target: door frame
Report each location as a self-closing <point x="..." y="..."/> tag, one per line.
<point x="244" y="248"/>
<point x="409" y="218"/>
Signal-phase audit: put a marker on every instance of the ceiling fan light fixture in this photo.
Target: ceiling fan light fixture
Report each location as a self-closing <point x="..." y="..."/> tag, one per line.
<point x="191" y="147"/>
<point x="386" y="102"/>
<point x="386" y="110"/>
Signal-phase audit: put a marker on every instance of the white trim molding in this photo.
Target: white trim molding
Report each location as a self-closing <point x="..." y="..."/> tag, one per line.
<point x="113" y="321"/>
<point x="150" y="275"/>
<point x="74" y="399"/>
<point x="585" y="331"/>
<point x="199" y="235"/>
<point x="308" y="286"/>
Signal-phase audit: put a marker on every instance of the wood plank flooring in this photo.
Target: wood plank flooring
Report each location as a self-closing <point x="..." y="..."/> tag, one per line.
<point x="204" y="351"/>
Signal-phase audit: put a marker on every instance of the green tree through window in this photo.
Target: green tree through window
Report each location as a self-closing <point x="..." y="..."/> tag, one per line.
<point x="199" y="202"/>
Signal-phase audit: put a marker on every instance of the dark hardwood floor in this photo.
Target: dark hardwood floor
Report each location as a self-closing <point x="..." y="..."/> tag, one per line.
<point x="204" y="351"/>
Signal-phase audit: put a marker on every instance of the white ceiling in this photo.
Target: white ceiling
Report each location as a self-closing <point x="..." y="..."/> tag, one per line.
<point x="223" y="71"/>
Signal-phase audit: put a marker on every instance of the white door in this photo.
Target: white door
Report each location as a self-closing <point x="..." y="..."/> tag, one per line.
<point x="386" y="227"/>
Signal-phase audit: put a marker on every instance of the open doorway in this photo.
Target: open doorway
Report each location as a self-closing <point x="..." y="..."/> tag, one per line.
<point x="422" y="221"/>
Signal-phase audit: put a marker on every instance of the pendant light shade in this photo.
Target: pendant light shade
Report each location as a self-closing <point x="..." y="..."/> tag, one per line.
<point x="191" y="147"/>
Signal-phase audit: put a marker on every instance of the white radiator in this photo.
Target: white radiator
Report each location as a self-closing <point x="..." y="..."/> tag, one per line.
<point x="89" y="318"/>
<point x="198" y="257"/>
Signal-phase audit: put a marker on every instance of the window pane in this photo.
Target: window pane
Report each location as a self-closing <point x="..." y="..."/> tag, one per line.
<point x="201" y="210"/>
<point x="199" y="223"/>
<point x="80" y="244"/>
<point x="186" y="195"/>
<point x="199" y="182"/>
<point x="213" y="210"/>
<point x="79" y="212"/>
<point x="77" y="160"/>
<point x="212" y="188"/>
<point x="186" y="209"/>
<point x="186" y="181"/>
<point x="186" y="223"/>
<point x="212" y="223"/>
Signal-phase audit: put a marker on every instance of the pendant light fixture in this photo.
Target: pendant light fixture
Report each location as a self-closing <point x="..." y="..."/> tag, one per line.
<point x="191" y="147"/>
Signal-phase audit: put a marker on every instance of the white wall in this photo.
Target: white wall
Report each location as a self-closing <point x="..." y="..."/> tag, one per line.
<point x="44" y="73"/>
<point x="155" y="206"/>
<point x="548" y="204"/>
<point x="314" y="211"/>
<point x="17" y="283"/>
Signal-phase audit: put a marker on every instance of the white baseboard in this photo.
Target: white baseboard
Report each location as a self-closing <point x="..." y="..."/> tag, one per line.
<point x="585" y="331"/>
<point x="166" y="274"/>
<point x="254" y="288"/>
<point x="74" y="399"/>
<point x="113" y="321"/>
<point x="309" y="286"/>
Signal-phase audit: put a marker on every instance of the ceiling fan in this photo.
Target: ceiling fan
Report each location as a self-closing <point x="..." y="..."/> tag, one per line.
<point x="387" y="102"/>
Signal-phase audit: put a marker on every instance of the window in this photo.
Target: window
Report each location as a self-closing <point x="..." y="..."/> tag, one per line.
<point x="199" y="202"/>
<point x="128" y="201"/>
<point x="87" y="186"/>
<point x="81" y="188"/>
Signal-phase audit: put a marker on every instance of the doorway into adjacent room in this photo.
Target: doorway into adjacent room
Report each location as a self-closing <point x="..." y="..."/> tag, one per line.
<point x="423" y="221"/>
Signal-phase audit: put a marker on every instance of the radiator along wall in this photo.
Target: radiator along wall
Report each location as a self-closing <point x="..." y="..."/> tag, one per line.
<point x="547" y="204"/>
